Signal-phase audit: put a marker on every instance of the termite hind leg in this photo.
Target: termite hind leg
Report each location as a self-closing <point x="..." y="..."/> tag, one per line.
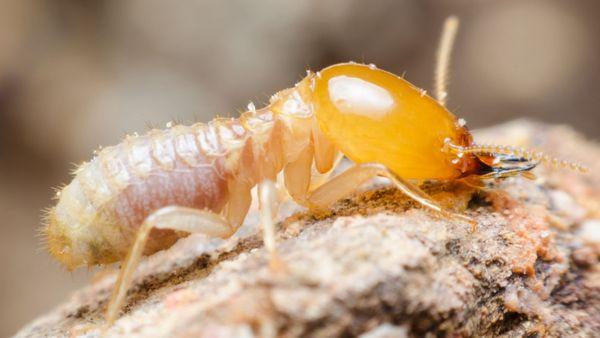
<point x="348" y="181"/>
<point x="268" y="205"/>
<point x="172" y="217"/>
<point x="298" y="175"/>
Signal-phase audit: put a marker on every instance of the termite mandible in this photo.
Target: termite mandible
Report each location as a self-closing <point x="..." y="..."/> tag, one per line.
<point x="141" y="195"/>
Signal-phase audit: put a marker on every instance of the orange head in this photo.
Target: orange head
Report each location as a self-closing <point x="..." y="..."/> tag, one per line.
<point x="375" y="116"/>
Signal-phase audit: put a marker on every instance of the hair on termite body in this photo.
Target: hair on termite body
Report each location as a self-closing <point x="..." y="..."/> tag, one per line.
<point x="143" y="194"/>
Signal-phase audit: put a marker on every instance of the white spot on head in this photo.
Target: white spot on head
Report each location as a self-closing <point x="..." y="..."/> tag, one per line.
<point x="352" y="95"/>
<point x="462" y="122"/>
<point x="372" y="66"/>
<point x="423" y="92"/>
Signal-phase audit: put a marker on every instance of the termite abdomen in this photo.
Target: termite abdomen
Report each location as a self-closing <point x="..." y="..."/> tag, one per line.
<point x="98" y="213"/>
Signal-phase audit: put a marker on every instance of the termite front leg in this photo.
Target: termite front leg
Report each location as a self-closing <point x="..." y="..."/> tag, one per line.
<point x="172" y="217"/>
<point x="347" y="182"/>
<point x="297" y="175"/>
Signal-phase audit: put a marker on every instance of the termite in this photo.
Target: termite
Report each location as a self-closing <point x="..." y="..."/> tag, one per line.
<point x="143" y="194"/>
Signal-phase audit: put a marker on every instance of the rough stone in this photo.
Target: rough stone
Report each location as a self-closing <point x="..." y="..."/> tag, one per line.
<point x="378" y="266"/>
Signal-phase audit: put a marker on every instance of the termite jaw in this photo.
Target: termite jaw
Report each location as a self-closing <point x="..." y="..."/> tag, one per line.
<point x="502" y="161"/>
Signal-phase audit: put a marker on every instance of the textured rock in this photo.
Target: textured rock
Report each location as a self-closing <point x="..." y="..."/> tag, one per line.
<point x="379" y="267"/>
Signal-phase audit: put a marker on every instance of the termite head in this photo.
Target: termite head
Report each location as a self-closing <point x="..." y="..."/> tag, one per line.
<point x="493" y="161"/>
<point x="374" y="116"/>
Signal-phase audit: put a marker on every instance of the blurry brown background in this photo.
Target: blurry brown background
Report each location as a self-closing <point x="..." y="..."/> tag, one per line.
<point x="78" y="74"/>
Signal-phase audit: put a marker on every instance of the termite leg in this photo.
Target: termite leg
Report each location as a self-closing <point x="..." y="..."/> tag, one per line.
<point x="348" y="181"/>
<point x="326" y="154"/>
<point x="240" y="199"/>
<point x="299" y="178"/>
<point x="172" y="217"/>
<point x="319" y="179"/>
<point x="267" y="199"/>
<point x="297" y="174"/>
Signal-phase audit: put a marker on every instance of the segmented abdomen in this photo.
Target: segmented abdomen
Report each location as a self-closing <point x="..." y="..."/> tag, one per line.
<point x="98" y="213"/>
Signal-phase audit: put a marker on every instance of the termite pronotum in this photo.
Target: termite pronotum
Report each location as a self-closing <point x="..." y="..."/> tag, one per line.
<point x="141" y="195"/>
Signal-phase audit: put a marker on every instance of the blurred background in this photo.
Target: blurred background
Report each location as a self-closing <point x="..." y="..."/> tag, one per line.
<point x="78" y="74"/>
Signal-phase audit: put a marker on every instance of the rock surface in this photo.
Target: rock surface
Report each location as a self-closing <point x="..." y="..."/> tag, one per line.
<point x="380" y="267"/>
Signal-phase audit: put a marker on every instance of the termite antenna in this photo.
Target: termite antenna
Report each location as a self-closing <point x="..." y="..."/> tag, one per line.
<point x="443" y="58"/>
<point x="534" y="156"/>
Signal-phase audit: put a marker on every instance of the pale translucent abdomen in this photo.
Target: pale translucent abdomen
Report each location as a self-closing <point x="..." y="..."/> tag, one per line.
<point x="99" y="212"/>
